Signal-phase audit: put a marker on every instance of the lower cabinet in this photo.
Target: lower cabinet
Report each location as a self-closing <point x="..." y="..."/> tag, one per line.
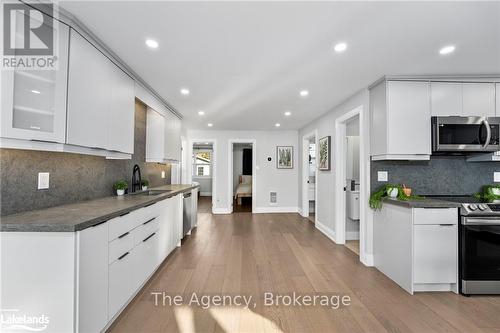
<point x="120" y="281"/>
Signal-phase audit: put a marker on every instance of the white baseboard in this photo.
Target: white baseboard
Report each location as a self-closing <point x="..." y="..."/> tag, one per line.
<point x="300" y="212"/>
<point x="367" y="260"/>
<point x="325" y="230"/>
<point x="351" y="235"/>
<point x="261" y="210"/>
<point x="205" y="194"/>
<point x="221" y="211"/>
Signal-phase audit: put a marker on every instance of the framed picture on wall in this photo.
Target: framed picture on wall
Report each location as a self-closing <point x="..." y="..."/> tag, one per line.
<point x="284" y="157"/>
<point x="324" y="153"/>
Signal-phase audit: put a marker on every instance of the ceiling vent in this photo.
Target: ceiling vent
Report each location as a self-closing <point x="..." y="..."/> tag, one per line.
<point x="273" y="198"/>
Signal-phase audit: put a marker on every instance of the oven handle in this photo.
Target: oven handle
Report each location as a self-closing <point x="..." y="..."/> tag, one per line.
<point x="478" y="221"/>
<point x="488" y="132"/>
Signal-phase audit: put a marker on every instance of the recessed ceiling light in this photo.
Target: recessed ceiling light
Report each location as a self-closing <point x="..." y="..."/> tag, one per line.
<point x="277" y="124"/>
<point x="36" y="92"/>
<point x="304" y="93"/>
<point x="210" y="124"/>
<point x="340" y="47"/>
<point x="287" y="113"/>
<point x="185" y="91"/>
<point x="201" y="113"/>
<point x="447" y="49"/>
<point x="152" y="43"/>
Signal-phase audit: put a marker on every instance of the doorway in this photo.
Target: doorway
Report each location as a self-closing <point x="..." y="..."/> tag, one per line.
<point x="309" y="176"/>
<point x="241" y="176"/>
<point x="203" y="172"/>
<point x="352" y="184"/>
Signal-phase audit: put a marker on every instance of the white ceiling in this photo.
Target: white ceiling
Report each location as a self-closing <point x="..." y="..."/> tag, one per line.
<point x="245" y="62"/>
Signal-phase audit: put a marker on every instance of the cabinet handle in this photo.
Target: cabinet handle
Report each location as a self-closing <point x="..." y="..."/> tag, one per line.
<point x="447" y="225"/>
<point x="149" y="221"/>
<point x="123" y="255"/>
<point x="95" y="225"/>
<point x="124" y="214"/>
<point x="125" y="234"/>
<point x="149" y="236"/>
<point x="36" y="140"/>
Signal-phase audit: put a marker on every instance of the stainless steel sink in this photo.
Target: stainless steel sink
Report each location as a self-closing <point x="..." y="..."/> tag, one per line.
<point x="151" y="192"/>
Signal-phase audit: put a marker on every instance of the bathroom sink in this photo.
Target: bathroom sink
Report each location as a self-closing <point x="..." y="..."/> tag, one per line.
<point x="151" y="192"/>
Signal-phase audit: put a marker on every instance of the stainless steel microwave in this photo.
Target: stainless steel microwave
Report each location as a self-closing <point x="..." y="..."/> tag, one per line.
<point x="465" y="134"/>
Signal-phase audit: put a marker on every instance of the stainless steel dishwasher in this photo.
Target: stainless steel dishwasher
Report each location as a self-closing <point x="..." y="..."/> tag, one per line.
<point x="187" y="214"/>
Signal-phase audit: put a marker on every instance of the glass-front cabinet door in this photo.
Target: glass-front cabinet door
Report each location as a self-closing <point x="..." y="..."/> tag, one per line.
<point x="34" y="99"/>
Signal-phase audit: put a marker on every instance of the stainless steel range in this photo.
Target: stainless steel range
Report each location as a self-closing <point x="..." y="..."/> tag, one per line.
<point x="479" y="246"/>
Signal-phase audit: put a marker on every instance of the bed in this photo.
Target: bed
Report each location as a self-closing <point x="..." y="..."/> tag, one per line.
<point x="244" y="189"/>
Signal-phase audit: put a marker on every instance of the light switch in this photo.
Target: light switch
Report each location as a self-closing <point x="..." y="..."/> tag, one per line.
<point x="163" y="174"/>
<point x="43" y="180"/>
<point x="383" y="176"/>
<point x="496" y="177"/>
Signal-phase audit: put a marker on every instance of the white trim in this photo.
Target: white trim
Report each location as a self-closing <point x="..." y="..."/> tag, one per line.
<point x="325" y="230"/>
<point x="221" y="211"/>
<point x="214" y="167"/>
<point x="401" y="157"/>
<point x="230" y="185"/>
<point x="305" y="175"/>
<point x="367" y="259"/>
<point x="262" y="210"/>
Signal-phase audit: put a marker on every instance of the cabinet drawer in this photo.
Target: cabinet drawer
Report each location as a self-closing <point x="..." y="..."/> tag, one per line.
<point x="146" y="229"/>
<point x="120" y="225"/>
<point x="435" y="216"/>
<point x="120" y="283"/>
<point x="120" y="246"/>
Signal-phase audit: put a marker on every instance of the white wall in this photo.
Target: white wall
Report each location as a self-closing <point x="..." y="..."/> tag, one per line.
<point x="325" y="183"/>
<point x="268" y="177"/>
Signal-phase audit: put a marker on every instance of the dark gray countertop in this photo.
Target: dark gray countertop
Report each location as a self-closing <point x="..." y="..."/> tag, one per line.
<point x="422" y="203"/>
<point x="79" y="216"/>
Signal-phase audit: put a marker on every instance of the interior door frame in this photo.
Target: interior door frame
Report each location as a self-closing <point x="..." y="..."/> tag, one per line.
<point x="230" y="187"/>
<point x="189" y="164"/>
<point x="305" y="175"/>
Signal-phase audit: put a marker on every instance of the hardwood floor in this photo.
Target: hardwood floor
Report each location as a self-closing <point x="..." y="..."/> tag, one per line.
<point x="204" y="204"/>
<point x="353" y="245"/>
<point x="245" y="207"/>
<point x="282" y="253"/>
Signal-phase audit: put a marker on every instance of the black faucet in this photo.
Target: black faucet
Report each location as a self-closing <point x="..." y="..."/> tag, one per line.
<point x="136" y="179"/>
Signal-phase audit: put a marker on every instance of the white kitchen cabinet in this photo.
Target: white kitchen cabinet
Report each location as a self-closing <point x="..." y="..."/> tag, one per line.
<point x="121" y="114"/>
<point x="34" y="101"/>
<point x="155" y="136"/>
<point x="145" y="260"/>
<point x="88" y="94"/>
<point x="100" y="100"/>
<point x="401" y="120"/>
<point x="92" y="276"/>
<point x="479" y="99"/>
<point x="497" y="94"/>
<point x="435" y="253"/>
<point x="165" y="232"/>
<point x="121" y="281"/>
<point x="172" y="137"/>
<point x="446" y="99"/>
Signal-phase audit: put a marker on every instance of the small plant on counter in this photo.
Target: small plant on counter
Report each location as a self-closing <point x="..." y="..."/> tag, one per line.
<point x="389" y="190"/>
<point x="489" y="193"/>
<point x="120" y="187"/>
<point x="144" y="184"/>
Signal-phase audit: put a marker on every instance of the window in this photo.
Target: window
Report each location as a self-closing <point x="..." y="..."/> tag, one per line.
<point x="202" y="163"/>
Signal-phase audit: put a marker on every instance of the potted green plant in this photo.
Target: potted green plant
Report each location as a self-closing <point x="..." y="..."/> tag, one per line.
<point x="489" y="193"/>
<point x="144" y="184"/>
<point x="391" y="191"/>
<point x="120" y="187"/>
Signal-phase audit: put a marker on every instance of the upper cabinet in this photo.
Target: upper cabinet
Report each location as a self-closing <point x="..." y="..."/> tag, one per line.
<point x="100" y="100"/>
<point x="400" y="119"/>
<point x="163" y="137"/>
<point x="172" y="137"/>
<point x="34" y="101"/>
<point x="463" y="99"/>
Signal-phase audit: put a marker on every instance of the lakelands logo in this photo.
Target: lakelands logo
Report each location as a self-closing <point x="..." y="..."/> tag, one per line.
<point x="29" y="35"/>
<point x="13" y="320"/>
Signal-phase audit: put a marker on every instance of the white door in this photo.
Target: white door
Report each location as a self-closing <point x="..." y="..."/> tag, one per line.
<point x="479" y="99"/>
<point x="446" y="99"/>
<point x="34" y="101"/>
<point x="435" y="253"/>
<point x="92" y="295"/>
<point x="121" y="112"/>
<point x="88" y="94"/>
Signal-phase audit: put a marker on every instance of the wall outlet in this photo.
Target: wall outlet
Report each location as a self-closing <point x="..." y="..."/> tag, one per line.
<point x="382" y="176"/>
<point x="496" y="177"/>
<point x="163" y="174"/>
<point x="43" y="180"/>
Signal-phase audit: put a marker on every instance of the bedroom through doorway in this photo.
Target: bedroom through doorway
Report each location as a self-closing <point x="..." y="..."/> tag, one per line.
<point x="242" y="177"/>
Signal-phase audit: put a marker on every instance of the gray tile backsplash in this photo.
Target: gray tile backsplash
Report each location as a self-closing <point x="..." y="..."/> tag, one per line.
<point x="73" y="177"/>
<point x="442" y="175"/>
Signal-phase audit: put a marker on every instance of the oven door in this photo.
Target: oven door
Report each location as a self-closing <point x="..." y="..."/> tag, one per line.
<point x="465" y="134"/>
<point x="480" y="248"/>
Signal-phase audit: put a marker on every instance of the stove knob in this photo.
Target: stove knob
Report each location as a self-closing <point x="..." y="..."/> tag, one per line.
<point x="472" y="207"/>
<point x="483" y="207"/>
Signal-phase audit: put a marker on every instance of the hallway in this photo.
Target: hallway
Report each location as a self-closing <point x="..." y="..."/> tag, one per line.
<point x="281" y="253"/>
